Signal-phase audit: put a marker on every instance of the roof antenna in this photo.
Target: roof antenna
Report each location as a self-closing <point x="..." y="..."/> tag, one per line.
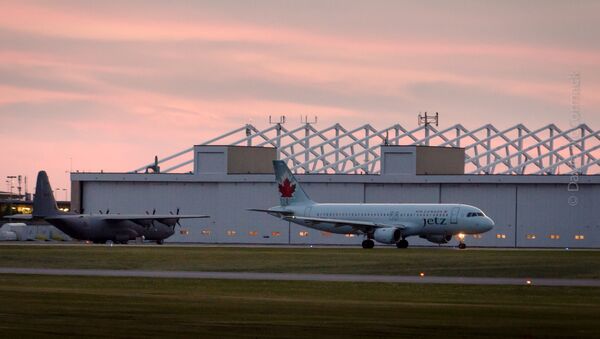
<point x="154" y="168"/>
<point x="426" y="120"/>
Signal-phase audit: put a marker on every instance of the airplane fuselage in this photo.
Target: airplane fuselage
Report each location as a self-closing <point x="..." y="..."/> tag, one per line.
<point x="97" y="229"/>
<point x="418" y="219"/>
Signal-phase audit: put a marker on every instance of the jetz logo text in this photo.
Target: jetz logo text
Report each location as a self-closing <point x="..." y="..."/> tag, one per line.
<point x="434" y="221"/>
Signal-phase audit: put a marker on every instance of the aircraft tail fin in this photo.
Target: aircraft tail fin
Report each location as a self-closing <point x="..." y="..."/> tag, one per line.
<point x="44" y="204"/>
<point x="289" y="189"/>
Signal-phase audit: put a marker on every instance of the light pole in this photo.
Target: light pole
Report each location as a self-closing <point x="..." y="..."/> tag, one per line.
<point x="10" y="179"/>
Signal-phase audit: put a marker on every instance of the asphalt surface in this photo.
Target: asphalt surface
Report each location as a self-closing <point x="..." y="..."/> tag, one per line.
<point x="304" y="277"/>
<point x="244" y="245"/>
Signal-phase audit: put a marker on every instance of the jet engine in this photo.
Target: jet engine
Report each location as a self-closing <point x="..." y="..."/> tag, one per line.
<point x="438" y="238"/>
<point x="387" y="235"/>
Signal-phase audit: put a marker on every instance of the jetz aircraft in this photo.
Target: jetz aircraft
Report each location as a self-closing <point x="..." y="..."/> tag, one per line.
<point x="384" y="223"/>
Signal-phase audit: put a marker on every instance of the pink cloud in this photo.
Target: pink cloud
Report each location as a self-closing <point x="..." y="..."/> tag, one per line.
<point x="123" y="68"/>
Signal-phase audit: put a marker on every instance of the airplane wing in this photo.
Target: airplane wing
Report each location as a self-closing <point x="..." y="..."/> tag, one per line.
<point x="148" y="220"/>
<point x="364" y="226"/>
<point x="158" y="217"/>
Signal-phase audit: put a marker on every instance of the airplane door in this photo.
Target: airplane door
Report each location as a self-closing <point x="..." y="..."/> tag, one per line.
<point x="454" y="215"/>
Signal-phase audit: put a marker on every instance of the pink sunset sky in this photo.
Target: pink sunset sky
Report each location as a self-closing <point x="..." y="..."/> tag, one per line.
<point x="109" y="85"/>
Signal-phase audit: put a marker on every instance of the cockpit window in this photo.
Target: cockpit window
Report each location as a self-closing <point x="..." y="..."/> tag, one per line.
<point x="475" y="214"/>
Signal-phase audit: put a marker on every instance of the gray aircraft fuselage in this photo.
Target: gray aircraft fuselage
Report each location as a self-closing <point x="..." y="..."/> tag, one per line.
<point x="98" y="229"/>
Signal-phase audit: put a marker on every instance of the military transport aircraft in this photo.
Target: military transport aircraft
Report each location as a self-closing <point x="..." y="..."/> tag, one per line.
<point x="385" y="223"/>
<point x="101" y="228"/>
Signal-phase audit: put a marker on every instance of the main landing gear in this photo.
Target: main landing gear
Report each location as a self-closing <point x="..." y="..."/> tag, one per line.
<point x="368" y="243"/>
<point x="402" y="243"/>
<point x="462" y="245"/>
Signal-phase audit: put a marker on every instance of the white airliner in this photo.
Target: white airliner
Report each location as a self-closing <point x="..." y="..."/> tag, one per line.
<point x="384" y="223"/>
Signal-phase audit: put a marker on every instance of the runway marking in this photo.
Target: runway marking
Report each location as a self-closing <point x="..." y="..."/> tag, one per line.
<point x="417" y="279"/>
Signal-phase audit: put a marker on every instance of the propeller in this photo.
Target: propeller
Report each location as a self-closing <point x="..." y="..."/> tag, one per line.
<point x="177" y="219"/>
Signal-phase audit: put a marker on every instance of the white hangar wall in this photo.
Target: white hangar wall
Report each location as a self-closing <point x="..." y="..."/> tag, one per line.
<point x="529" y="211"/>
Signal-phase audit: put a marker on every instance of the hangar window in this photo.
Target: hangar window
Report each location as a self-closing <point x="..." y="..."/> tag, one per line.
<point x="252" y="233"/>
<point x="184" y="232"/>
<point x="554" y="236"/>
<point x="530" y="236"/>
<point x="500" y="236"/>
<point x="275" y="234"/>
<point x="205" y="232"/>
<point x="231" y="233"/>
<point x="579" y="237"/>
<point x="303" y="234"/>
<point x="350" y="235"/>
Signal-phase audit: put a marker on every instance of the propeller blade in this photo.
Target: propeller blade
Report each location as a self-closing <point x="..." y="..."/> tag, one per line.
<point x="99" y="211"/>
<point x="107" y="211"/>
<point x="154" y="211"/>
<point x="177" y="211"/>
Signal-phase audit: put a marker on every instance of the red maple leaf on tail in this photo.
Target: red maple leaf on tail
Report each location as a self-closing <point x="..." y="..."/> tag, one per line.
<point x="286" y="188"/>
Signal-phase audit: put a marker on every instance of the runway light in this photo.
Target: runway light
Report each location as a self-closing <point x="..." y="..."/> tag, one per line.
<point x="422" y="274"/>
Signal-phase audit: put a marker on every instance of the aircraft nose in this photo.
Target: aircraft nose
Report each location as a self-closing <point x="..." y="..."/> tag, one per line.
<point x="488" y="224"/>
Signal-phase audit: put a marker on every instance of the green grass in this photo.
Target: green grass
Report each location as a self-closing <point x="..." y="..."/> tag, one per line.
<point x="140" y="307"/>
<point x="439" y="262"/>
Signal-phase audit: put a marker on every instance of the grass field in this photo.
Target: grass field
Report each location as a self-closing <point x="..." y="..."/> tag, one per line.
<point x="139" y="307"/>
<point x="440" y="262"/>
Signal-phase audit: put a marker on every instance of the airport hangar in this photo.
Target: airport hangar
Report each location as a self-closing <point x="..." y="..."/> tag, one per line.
<point x="540" y="186"/>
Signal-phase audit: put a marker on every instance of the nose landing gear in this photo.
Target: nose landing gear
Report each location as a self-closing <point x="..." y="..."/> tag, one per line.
<point x="462" y="245"/>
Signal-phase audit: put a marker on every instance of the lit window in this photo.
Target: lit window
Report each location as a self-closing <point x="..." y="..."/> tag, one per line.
<point x="231" y="233"/>
<point x="530" y="236"/>
<point x="325" y="234"/>
<point x="205" y="232"/>
<point x="477" y="236"/>
<point x="349" y="235"/>
<point x="252" y="233"/>
<point x="501" y="236"/>
<point x="554" y="236"/>
<point x="579" y="237"/>
<point x="184" y="232"/>
<point x="303" y="233"/>
<point x="275" y="234"/>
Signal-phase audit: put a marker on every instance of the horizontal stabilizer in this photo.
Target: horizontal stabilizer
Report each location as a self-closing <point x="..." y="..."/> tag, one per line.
<point x="271" y="211"/>
<point x="19" y="217"/>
